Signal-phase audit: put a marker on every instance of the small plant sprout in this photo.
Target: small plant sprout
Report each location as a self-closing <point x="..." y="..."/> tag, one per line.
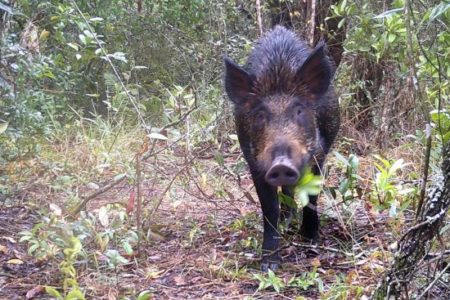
<point x="270" y="280"/>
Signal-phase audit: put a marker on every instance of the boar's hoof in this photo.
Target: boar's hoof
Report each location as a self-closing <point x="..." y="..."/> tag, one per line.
<point x="265" y="266"/>
<point x="282" y="172"/>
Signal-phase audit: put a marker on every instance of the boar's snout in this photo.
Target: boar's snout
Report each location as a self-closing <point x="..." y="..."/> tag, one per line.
<point x="282" y="172"/>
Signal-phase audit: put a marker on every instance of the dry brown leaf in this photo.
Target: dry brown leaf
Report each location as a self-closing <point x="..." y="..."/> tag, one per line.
<point x="112" y="294"/>
<point x="15" y="261"/>
<point x="3" y="249"/>
<point x="179" y="280"/>
<point x="37" y="290"/>
<point x="315" y="262"/>
<point x="155" y="236"/>
<point x="152" y="273"/>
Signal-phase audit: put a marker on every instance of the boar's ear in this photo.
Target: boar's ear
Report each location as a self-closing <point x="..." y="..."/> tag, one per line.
<point x="317" y="71"/>
<point x="238" y="83"/>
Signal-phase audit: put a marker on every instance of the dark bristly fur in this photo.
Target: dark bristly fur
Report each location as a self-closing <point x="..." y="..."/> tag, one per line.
<point x="287" y="117"/>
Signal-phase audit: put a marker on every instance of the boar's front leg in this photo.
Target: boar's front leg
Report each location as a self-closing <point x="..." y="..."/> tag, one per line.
<point x="270" y="207"/>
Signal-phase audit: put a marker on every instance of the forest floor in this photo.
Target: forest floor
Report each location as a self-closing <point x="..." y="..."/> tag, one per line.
<point x="202" y="235"/>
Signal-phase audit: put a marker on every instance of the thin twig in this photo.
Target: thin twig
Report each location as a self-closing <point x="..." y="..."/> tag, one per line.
<point x="324" y="248"/>
<point x="188" y="163"/>
<point x="433" y="282"/>
<point x="258" y="17"/>
<point x="107" y="187"/>
<point x="312" y="22"/>
<point x="139" y="202"/>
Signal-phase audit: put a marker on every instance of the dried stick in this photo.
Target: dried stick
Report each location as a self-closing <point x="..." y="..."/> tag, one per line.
<point x="139" y="202"/>
<point x="106" y="188"/>
<point x="312" y="22"/>
<point x="433" y="282"/>
<point x="172" y="181"/>
<point x="258" y="17"/>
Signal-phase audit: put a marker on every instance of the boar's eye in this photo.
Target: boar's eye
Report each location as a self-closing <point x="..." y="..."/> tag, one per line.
<point x="260" y="119"/>
<point x="298" y="112"/>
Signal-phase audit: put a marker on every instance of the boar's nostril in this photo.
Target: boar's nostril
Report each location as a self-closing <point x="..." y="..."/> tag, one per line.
<point x="282" y="173"/>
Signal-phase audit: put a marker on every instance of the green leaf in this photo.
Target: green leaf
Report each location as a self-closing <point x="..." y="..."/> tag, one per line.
<point x="446" y="137"/>
<point x="287" y="200"/>
<point x="75" y="294"/>
<point x="354" y="162"/>
<point x="53" y="292"/>
<point x="115" y="258"/>
<point x="144" y="295"/>
<point x="82" y="38"/>
<point x="33" y="248"/>
<point x="308" y="185"/>
<point x="439" y="10"/>
<point x="3" y="127"/>
<point x="128" y="248"/>
<point x="342" y="159"/>
<point x="73" y="46"/>
<point x="391" y="37"/>
<point x="343" y="186"/>
<point x="398" y="165"/>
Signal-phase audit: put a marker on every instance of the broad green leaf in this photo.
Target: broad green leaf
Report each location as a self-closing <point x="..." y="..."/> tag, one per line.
<point x="354" y="161"/>
<point x="398" y="165"/>
<point x="343" y="186"/>
<point x="3" y="127"/>
<point x="82" y="38"/>
<point x="53" y="292"/>
<point x="144" y="295"/>
<point x="127" y="247"/>
<point x="75" y="294"/>
<point x="391" y="38"/>
<point x="115" y="258"/>
<point x="73" y="46"/>
<point x="341" y="158"/>
<point x="309" y="184"/>
<point x="439" y="10"/>
<point x="446" y="137"/>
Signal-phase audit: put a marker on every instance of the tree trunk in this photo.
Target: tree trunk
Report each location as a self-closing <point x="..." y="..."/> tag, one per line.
<point x="416" y="243"/>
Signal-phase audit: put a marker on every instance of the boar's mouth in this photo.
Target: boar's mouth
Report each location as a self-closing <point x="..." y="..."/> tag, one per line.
<point x="283" y="172"/>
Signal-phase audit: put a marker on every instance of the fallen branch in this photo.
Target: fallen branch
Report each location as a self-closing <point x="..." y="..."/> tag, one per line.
<point x="106" y="188"/>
